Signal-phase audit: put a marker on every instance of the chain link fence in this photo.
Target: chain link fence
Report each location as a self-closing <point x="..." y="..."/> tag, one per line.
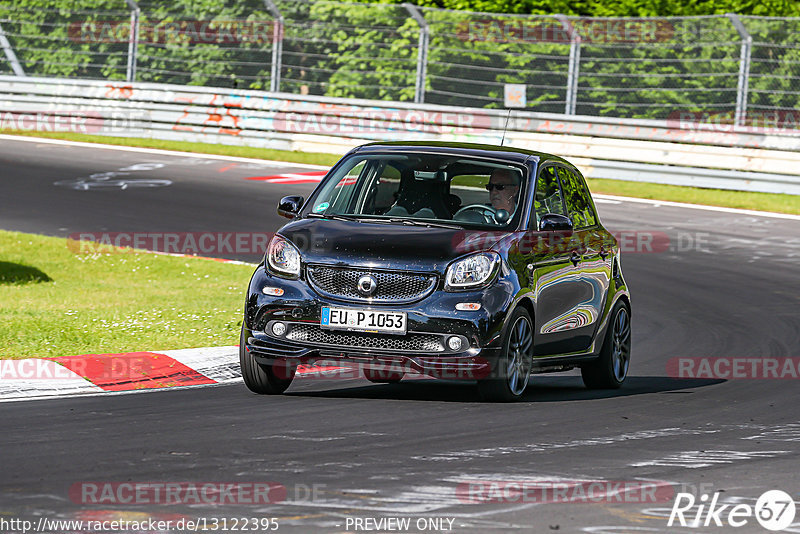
<point x="727" y="69"/>
<point x="774" y="68"/>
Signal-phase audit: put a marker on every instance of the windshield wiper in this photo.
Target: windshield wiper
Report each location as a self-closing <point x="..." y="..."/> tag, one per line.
<point x="384" y="220"/>
<point x="429" y="224"/>
<point x="333" y="216"/>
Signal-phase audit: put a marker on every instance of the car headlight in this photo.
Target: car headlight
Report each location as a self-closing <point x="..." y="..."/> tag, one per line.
<point x="472" y="272"/>
<point x="283" y="257"/>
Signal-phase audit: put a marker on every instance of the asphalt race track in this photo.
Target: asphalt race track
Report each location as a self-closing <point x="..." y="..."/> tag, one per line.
<point x="728" y="285"/>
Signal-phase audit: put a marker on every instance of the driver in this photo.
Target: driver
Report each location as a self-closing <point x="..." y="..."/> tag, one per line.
<point x="503" y="187"/>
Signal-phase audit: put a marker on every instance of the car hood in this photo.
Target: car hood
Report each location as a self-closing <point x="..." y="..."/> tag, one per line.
<point x="383" y="245"/>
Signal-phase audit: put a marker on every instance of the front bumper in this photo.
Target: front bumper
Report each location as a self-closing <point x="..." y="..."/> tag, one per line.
<point x="424" y="350"/>
<point x="474" y="364"/>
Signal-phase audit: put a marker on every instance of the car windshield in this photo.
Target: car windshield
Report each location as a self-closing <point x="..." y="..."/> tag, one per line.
<point x="421" y="188"/>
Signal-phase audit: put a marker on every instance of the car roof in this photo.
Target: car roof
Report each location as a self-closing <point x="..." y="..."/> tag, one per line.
<point x="518" y="155"/>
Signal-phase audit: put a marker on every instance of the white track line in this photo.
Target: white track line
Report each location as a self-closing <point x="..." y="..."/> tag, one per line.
<point x="62" y="142"/>
<point x="702" y="207"/>
<point x="157" y="151"/>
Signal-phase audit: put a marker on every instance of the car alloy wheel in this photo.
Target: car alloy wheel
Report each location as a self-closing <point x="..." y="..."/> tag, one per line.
<point x="621" y="351"/>
<point x="519" y="354"/>
<point x="514" y="364"/>
<point x="611" y="368"/>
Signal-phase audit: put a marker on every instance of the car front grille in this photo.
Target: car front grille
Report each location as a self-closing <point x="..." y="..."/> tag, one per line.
<point x="391" y="287"/>
<point x="409" y="342"/>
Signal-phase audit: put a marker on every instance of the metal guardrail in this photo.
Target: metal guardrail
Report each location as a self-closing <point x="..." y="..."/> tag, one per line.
<point x="741" y="70"/>
<point x="650" y="151"/>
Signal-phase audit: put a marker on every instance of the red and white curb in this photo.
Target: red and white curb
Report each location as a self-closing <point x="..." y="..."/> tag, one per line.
<point x="96" y="374"/>
<point x="311" y="177"/>
<point x="42" y="378"/>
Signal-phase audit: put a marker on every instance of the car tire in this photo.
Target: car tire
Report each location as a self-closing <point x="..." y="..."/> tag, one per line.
<point x="515" y="361"/>
<point x="611" y="368"/>
<point x="261" y="378"/>
<point x="383" y="376"/>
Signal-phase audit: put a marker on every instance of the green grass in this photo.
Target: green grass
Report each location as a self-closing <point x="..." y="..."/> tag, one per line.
<point x="692" y="195"/>
<point x="55" y="302"/>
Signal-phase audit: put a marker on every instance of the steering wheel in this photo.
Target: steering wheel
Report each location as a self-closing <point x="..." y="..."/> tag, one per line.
<point x="488" y="211"/>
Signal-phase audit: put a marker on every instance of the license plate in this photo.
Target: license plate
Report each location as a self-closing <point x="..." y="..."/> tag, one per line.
<point x="363" y="320"/>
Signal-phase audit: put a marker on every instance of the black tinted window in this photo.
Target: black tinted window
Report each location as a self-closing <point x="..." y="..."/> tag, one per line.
<point x="446" y="187"/>
<point x="577" y="196"/>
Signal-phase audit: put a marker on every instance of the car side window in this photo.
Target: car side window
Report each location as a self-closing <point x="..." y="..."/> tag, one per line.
<point x="548" y="197"/>
<point x="579" y="203"/>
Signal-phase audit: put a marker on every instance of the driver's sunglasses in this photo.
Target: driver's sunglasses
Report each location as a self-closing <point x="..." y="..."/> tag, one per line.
<point x="499" y="187"/>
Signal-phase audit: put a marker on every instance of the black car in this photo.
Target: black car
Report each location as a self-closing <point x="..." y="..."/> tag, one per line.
<point x="442" y="259"/>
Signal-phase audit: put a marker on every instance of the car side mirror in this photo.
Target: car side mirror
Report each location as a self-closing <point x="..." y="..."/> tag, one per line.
<point x="289" y="207"/>
<point x="552" y="222"/>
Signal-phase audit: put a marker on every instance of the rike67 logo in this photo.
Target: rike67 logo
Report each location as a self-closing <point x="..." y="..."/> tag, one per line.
<point x="774" y="510"/>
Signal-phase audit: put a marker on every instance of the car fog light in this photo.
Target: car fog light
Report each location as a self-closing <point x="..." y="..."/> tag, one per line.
<point x="468" y="306"/>
<point x="278" y="329"/>
<point x="454" y="342"/>
<point x="274" y="291"/>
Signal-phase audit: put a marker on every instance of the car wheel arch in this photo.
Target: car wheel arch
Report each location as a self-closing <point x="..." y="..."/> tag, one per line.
<point x="527" y="303"/>
<point x="601" y="333"/>
<point x="626" y="299"/>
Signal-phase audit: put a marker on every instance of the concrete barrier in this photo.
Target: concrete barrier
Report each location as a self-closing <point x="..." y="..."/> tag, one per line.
<point x="650" y="151"/>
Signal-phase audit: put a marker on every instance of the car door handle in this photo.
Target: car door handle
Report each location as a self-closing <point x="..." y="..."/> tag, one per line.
<point x="575" y="258"/>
